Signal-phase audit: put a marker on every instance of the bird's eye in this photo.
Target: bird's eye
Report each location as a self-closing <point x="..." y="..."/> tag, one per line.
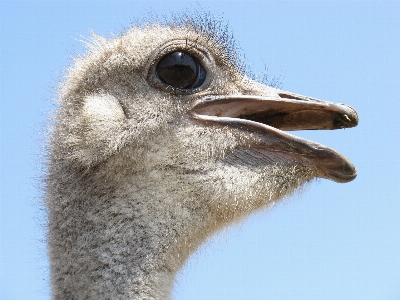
<point x="181" y="70"/>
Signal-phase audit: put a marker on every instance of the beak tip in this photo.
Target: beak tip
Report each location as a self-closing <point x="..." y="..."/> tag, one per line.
<point x="348" y="118"/>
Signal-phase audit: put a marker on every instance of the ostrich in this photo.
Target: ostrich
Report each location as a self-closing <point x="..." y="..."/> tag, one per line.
<point x="159" y="141"/>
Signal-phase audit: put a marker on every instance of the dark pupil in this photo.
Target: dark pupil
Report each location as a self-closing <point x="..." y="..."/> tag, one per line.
<point x="180" y="70"/>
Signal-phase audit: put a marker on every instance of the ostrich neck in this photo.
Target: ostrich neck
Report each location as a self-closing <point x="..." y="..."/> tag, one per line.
<point x="116" y="242"/>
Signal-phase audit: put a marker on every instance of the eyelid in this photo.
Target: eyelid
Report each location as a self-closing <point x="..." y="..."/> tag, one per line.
<point x="196" y="50"/>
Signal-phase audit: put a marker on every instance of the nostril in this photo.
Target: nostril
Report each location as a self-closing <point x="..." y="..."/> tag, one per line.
<point x="287" y="96"/>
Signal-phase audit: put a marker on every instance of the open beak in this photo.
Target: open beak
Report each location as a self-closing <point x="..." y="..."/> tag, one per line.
<point x="268" y="117"/>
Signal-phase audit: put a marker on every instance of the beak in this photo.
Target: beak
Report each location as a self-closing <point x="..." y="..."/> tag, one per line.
<point x="267" y="117"/>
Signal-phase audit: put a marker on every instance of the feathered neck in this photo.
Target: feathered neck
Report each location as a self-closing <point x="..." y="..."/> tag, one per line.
<point x="124" y="241"/>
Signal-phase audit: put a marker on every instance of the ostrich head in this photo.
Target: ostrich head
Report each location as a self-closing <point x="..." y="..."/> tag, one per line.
<point x="160" y="140"/>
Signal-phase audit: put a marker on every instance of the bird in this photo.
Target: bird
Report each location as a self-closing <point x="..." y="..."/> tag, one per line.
<point x="160" y="139"/>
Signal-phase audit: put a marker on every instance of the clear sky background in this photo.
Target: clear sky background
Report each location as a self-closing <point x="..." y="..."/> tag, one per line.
<point x="334" y="241"/>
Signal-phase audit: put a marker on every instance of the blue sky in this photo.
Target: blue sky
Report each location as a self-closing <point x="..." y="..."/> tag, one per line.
<point x="332" y="241"/>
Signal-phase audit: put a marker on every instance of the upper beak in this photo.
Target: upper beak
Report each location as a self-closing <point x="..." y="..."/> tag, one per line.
<point x="268" y="116"/>
<point x="286" y="111"/>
